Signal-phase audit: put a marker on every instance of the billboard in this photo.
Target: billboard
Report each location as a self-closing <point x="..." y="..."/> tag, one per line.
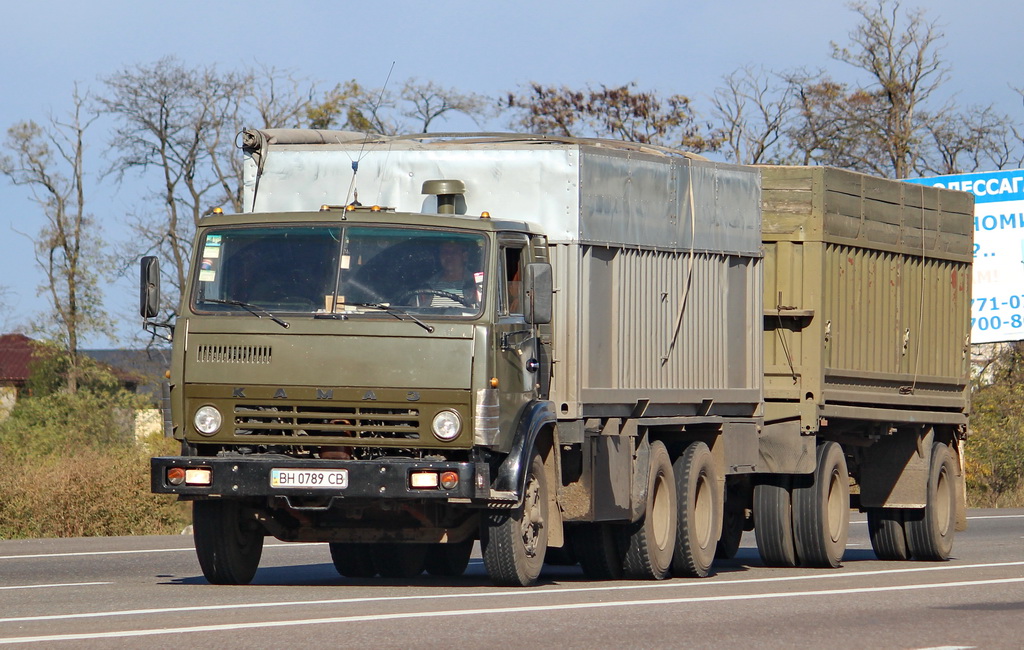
<point x="997" y="302"/>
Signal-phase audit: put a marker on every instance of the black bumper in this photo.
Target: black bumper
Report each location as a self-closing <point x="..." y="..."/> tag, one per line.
<point x="246" y="477"/>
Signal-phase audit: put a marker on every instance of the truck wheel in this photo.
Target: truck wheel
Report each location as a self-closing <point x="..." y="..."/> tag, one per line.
<point x="398" y="560"/>
<point x="514" y="543"/>
<point x="652" y="540"/>
<point x="733" y="522"/>
<point x="930" y="529"/>
<point x="449" y="560"/>
<point x="600" y="550"/>
<point x="821" y="510"/>
<point x="773" y="521"/>
<point x="352" y="560"/>
<point x="699" y="516"/>
<point x="229" y="547"/>
<point x="888" y="538"/>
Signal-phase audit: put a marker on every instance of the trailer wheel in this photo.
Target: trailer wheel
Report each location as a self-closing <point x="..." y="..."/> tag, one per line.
<point x="352" y="560"/>
<point x="652" y="539"/>
<point x="773" y="521"/>
<point x="229" y="546"/>
<point x="821" y="510"/>
<point x="392" y="560"/>
<point x="888" y="537"/>
<point x="599" y="547"/>
<point x="699" y="517"/>
<point x="930" y="529"/>
<point x="449" y="560"/>
<point x="514" y="543"/>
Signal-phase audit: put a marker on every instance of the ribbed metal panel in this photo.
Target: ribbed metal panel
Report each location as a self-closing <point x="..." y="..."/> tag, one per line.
<point x="234" y="354"/>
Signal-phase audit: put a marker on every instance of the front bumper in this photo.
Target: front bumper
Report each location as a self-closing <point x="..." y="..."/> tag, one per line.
<point x="384" y="479"/>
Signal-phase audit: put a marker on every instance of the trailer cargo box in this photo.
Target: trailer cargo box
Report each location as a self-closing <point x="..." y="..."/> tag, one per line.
<point x="867" y="301"/>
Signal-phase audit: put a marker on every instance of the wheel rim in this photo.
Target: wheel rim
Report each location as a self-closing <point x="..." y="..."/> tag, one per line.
<point x="943" y="502"/>
<point x="533" y="517"/>
<point x="660" y="511"/>
<point x="702" y="511"/>
<point x="835" y="507"/>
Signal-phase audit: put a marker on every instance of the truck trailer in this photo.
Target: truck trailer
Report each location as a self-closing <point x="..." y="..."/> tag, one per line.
<point x="569" y="350"/>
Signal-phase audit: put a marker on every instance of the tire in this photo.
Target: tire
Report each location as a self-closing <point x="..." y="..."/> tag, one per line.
<point x="352" y="560"/>
<point x="600" y="549"/>
<point x="403" y="561"/>
<point x="773" y="521"/>
<point x="449" y="560"/>
<point x="652" y="540"/>
<point x="888" y="537"/>
<point x="699" y="517"/>
<point x="821" y="510"/>
<point x="733" y="523"/>
<point x="229" y="546"/>
<point x="930" y="529"/>
<point x="514" y="543"/>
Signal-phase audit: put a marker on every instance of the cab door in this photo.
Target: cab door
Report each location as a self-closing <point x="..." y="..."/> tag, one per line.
<point x="515" y="342"/>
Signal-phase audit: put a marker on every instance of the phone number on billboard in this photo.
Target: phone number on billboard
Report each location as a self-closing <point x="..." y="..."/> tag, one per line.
<point x="986" y="314"/>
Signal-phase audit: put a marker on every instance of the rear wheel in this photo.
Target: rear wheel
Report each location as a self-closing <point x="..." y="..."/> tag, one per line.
<point x="514" y="543"/>
<point x="773" y="521"/>
<point x="352" y="560"/>
<point x="821" y="510"/>
<point x="229" y="545"/>
<point x="449" y="560"/>
<point x="699" y="518"/>
<point x="599" y="549"/>
<point x="888" y="538"/>
<point x="652" y="540"/>
<point x="930" y="530"/>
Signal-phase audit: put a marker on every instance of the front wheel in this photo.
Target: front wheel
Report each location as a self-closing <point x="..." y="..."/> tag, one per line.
<point x="449" y="560"/>
<point x="930" y="530"/>
<point x="514" y="543"/>
<point x="352" y="560"/>
<point x="821" y="509"/>
<point x="229" y="545"/>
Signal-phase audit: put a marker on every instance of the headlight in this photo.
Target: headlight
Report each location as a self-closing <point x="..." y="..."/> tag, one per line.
<point x="207" y="420"/>
<point x="446" y="425"/>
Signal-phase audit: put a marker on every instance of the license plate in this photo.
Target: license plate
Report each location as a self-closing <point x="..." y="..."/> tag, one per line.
<point x="336" y="479"/>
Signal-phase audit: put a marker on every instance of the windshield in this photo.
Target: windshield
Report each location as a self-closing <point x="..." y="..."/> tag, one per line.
<point x="300" y="269"/>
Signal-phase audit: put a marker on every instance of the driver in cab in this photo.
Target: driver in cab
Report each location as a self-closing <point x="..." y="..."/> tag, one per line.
<point x="454" y="285"/>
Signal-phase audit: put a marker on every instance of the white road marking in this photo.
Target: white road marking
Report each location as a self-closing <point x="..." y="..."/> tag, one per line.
<point x="676" y="584"/>
<point x="190" y="549"/>
<point x="226" y="627"/>
<point x="56" y="584"/>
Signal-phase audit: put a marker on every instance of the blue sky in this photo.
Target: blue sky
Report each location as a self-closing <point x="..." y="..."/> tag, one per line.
<point x="484" y="47"/>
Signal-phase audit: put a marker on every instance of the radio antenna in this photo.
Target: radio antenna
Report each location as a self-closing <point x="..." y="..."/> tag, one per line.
<point x="366" y="134"/>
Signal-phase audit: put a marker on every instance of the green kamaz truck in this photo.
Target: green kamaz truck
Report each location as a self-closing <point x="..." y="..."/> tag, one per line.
<point x="571" y="351"/>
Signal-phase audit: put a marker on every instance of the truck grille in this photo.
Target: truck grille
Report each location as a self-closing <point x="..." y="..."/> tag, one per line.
<point x="260" y="354"/>
<point x="355" y="423"/>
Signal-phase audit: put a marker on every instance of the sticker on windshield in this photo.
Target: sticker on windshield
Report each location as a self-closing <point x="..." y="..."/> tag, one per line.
<point x="207" y="275"/>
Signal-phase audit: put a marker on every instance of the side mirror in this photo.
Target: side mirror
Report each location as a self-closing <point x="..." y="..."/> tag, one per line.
<point x="149" y="287"/>
<point x="539" y="293"/>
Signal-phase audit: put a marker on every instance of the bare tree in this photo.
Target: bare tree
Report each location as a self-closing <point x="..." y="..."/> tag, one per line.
<point x="50" y="160"/>
<point x="179" y="122"/>
<point x="975" y="140"/>
<point x="752" y="112"/>
<point x="425" y="102"/>
<point x="350" y="105"/>
<point x="619" y="112"/>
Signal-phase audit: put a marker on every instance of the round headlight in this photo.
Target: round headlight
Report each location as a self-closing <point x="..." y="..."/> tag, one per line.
<point x="207" y="420"/>
<point x="446" y="425"/>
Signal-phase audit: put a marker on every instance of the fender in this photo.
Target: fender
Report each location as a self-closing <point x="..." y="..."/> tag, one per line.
<point x="536" y="415"/>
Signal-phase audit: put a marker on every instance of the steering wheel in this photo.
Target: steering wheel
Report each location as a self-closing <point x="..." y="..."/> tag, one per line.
<point x="434" y="292"/>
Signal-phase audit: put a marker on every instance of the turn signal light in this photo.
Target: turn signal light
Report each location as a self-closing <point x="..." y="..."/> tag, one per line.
<point x="176" y="475"/>
<point x="449" y="480"/>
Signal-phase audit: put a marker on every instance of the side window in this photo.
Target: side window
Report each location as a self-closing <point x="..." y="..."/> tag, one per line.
<point x="512" y="281"/>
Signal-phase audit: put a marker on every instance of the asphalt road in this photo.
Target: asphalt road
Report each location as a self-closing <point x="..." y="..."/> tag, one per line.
<point x="144" y="591"/>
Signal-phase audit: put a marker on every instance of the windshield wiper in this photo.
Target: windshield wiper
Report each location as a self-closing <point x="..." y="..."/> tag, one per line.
<point x="394" y="311"/>
<point x="258" y="312"/>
